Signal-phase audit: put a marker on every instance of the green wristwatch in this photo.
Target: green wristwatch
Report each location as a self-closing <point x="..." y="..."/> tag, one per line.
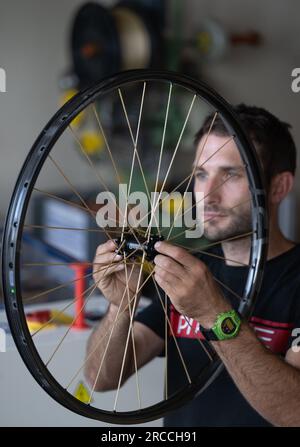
<point x="227" y="325"/>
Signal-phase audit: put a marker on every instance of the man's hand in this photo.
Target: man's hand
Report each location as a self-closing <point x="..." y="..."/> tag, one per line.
<point x="189" y="284"/>
<point x="110" y="275"/>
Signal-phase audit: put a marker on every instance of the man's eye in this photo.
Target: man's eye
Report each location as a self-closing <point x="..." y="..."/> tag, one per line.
<point x="230" y="174"/>
<point x="200" y="175"/>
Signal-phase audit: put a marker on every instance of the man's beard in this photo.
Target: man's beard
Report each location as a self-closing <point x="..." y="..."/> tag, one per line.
<point x="239" y="224"/>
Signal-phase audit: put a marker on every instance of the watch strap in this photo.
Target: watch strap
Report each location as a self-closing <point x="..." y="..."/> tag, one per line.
<point x="208" y="334"/>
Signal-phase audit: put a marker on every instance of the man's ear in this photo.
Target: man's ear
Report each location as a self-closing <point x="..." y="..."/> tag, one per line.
<point x="281" y="185"/>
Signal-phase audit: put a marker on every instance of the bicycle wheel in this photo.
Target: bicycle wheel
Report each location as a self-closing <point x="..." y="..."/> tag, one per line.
<point x="146" y="121"/>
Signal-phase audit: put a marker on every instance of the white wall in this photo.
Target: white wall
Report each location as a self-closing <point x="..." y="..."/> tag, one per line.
<point x="34" y="53"/>
<point x="258" y="76"/>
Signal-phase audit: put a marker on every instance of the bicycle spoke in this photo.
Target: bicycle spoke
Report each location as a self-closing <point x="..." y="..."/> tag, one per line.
<point x="163" y="137"/>
<point x="213" y="154"/>
<point x="71" y="325"/>
<point x="128" y="334"/>
<point x="118" y="177"/>
<point x="213" y="255"/>
<point x="240" y="236"/>
<point x="228" y="288"/>
<point x="53" y="196"/>
<point x="173" y="335"/>
<point x="135" y="142"/>
<point x="174" y="153"/>
<point x="132" y="336"/>
<point x="71" y="303"/>
<point x="199" y="201"/>
<point x="199" y="340"/>
<point x="72" y="187"/>
<point x="54" y="289"/>
<point x="67" y="264"/>
<point x="60" y="199"/>
<point x="93" y="167"/>
<point x="110" y="335"/>
<point x="192" y="173"/>
<point x="80" y="311"/>
<point x="166" y="348"/>
<point x="249" y="233"/>
<point x="208" y="220"/>
<point x="89" y="160"/>
<point x="203" y="198"/>
<point x="162" y="146"/>
<point x="107" y="344"/>
<point x="88" y="230"/>
<point x="60" y="312"/>
<point x="76" y="192"/>
<point x="134" y="151"/>
<point x="118" y="315"/>
<point x="188" y="176"/>
<point x="54" y="264"/>
<point x="112" y="158"/>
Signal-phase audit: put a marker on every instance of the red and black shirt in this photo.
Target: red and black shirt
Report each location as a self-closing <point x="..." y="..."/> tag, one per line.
<point x="276" y="314"/>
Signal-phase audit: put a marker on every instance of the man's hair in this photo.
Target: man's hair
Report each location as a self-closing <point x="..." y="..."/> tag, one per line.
<point x="270" y="136"/>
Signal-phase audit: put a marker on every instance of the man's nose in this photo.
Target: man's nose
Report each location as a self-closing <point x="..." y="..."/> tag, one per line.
<point x="213" y="190"/>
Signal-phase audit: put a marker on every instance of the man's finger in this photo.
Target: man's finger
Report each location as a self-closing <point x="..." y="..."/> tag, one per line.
<point x="165" y="285"/>
<point x="109" y="270"/>
<point x="108" y="246"/>
<point x="107" y="257"/>
<point x="180" y="255"/>
<point x="166" y="275"/>
<point x="169" y="264"/>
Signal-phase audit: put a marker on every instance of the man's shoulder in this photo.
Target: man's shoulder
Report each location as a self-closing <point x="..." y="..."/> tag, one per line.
<point x="286" y="268"/>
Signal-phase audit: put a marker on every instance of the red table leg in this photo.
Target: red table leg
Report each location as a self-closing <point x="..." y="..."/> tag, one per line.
<point x="79" y="292"/>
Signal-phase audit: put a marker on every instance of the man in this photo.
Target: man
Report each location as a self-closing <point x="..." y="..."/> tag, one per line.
<point x="261" y="381"/>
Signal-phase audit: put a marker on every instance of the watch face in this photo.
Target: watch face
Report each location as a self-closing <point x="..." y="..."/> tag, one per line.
<point x="228" y="326"/>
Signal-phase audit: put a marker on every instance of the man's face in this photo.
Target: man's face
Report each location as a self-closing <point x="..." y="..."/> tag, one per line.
<point x="223" y="180"/>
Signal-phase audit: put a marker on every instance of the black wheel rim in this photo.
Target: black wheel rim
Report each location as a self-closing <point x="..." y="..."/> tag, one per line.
<point x="13" y="234"/>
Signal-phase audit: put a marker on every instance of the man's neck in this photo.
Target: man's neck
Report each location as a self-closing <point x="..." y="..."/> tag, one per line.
<point x="239" y="250"/>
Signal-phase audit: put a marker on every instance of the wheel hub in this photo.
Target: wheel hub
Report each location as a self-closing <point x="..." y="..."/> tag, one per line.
<point x="138" y="245"/>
